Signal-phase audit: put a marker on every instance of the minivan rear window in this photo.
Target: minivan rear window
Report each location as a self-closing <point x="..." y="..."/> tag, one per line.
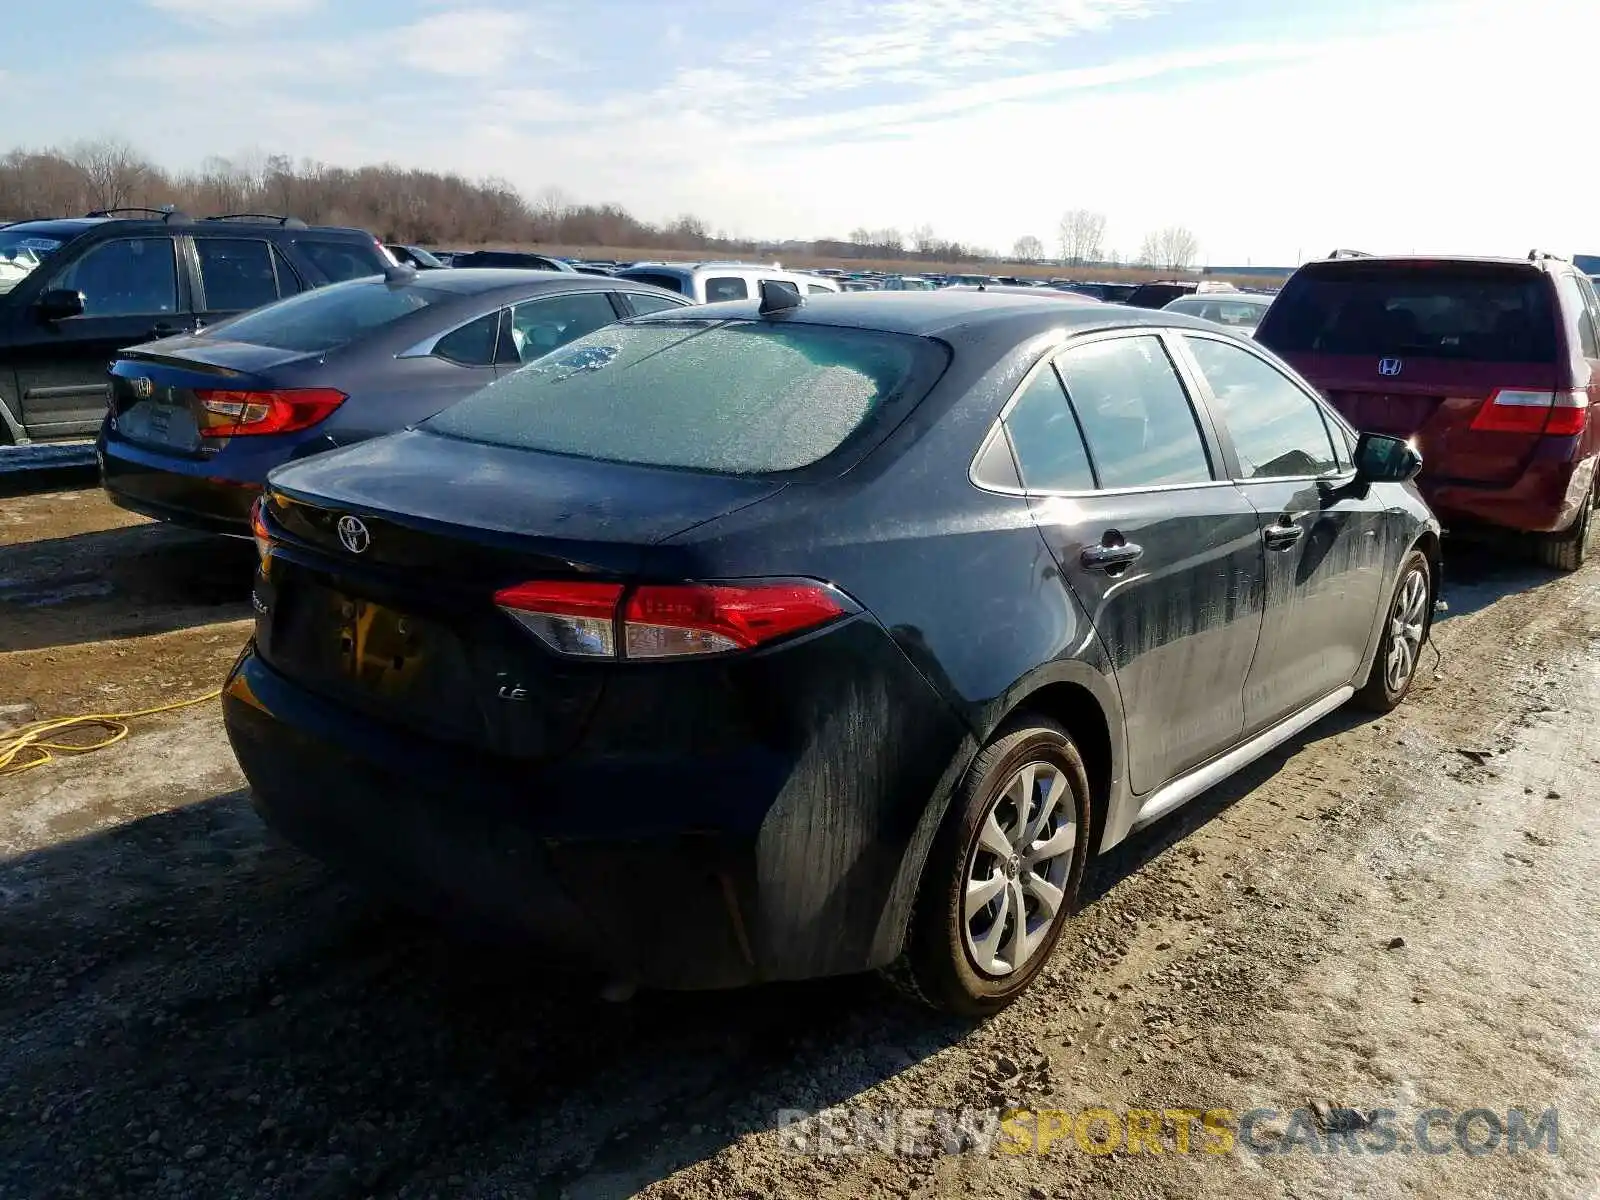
<point x="325" y="318"/>
<point x="1467" y="312"/>
<point x="731" y="397"/>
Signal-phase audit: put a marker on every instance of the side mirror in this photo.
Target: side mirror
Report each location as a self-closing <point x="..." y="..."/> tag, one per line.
<point x="1380" y="458"/>
<point x="58" y="304"/>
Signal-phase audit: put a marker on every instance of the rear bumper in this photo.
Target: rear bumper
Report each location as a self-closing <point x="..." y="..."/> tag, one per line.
<point x="176" y="490"/>
<point x="759" y="861"/>
<point x="1546" y="499"/>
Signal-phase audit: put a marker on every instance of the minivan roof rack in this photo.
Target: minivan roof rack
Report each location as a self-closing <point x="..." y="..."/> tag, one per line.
<point x="267" y="218"/>
<point x="168" y="213"/>
<point x="1544" y="255"/>
<point x="1344" y="252"/>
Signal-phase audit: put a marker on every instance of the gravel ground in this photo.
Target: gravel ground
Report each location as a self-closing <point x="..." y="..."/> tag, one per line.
<point x="1394" y="914"/>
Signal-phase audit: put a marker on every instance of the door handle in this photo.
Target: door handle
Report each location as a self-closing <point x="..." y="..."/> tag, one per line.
<point x="1111" y="558"/>
<point x="1283" y="535"/>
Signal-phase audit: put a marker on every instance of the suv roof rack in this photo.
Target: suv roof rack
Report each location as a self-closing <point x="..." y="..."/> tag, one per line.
<point x="169" y="213"/>
<point x="1344" y="252"/>
<point x="266" y="218"/>
<point x="1546" y="256"/>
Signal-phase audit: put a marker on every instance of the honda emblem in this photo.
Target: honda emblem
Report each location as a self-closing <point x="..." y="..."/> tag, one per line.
<point x="1389" y="366"/>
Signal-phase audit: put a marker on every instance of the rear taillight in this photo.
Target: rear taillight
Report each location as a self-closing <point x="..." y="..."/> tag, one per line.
<point x="684" y="620"/>
<point x="287" y="410"/>
<point x="1557" y="414"/>
<point x="259" y="531"/>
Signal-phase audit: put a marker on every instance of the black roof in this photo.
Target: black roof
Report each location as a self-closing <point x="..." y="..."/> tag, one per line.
<point x="66" y="228"/>
<point x="60" y="228"/>
<point x="947" y="314"/>
<point x="480" y="281"/>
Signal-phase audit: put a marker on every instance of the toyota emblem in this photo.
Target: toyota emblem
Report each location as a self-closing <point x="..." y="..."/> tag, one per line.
<point x="1389" y="366"/>
<point x="353" y="535"/>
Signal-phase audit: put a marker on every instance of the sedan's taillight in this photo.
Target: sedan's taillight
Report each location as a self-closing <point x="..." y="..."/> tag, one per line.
<point x="1556" y="414"/>
<point x="259" y="531"/>
<point x="287" y="410"/>
<point x="681" y="620"/>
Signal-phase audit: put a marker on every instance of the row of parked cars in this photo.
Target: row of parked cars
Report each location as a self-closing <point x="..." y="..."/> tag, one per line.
<point x="808" y="633"/>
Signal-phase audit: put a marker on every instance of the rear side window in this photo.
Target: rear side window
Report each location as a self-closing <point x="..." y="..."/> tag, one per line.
<point x="1045" y="438"/>
<point x="1278" y="430"/>
<point x="237" y="273"/>
<point x="1466" y="312"/>
<point x="731" y="397"/>
<point x="726" y="288"/>
<point x="325" y="318"/>
<point x="473" y="344"/>
<point x="540" y="326"/>
<point x="340" y="261"/>
<point x="1135" y="415"/>
<point x="1578" y="305"/>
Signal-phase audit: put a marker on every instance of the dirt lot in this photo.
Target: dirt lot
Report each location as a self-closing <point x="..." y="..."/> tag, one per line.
<point x="189" y="1008"/>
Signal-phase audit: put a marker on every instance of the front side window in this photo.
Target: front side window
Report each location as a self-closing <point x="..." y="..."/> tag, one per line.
<point x="128" y="277"/>
<point x="340" y="261"/>
<point x="1045" y="438"/>
<point x="735" y="397"/>
<point x="1136" y="417"/>
<point x="1278" y="430"/>
<point x="726" y="288"/>
<point x="540" y="326"/>
<point x="236" y="272"/>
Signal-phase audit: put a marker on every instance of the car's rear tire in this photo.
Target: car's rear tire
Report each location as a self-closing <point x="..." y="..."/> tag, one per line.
<point x="1016" y="838"/>
<point x="1565" y="551"/>
<point x="1405" y="630"/>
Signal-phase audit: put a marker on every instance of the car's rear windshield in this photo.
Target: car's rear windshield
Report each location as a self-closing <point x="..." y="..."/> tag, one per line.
<point x="325" y="318"/>
<point x="731" y="397"/>
<point x="1468" y="312"/>
<point x="661" y="279"/>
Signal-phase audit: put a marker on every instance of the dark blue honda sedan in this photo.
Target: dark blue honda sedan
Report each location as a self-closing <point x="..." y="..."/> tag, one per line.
<point x="196" y="422"/>
<point x="753" y="643"/>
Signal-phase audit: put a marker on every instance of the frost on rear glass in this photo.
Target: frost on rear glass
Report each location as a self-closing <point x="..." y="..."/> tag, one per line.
<point x="740" y="398"/>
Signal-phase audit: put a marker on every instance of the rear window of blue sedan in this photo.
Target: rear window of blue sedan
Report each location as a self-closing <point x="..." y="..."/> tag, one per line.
<point x="731" y="397"/>
<point x="325" y="318"/>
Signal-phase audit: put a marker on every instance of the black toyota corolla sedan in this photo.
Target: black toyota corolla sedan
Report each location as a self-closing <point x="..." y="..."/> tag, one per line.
<point x="747" y="643"/>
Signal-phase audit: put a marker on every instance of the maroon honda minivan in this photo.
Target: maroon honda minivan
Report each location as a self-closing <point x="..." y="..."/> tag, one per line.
<point x="1490" y="365"/>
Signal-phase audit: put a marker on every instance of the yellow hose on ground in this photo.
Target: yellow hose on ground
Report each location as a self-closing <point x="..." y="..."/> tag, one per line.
<point x="29" y="739"/>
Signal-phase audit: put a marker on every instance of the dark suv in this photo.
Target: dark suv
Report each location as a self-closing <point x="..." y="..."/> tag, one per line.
<point x="1490" y="365"/>
<point x="76" y="290"/>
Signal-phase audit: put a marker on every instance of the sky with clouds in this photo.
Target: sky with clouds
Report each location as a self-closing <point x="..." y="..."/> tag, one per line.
<point x="1275" y="129"/>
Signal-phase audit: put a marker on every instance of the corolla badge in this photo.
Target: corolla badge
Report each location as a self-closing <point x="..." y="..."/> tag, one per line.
<point x="353" y="535"/>
<point x="1389" y="366"/>
<point x="142" y="387"/>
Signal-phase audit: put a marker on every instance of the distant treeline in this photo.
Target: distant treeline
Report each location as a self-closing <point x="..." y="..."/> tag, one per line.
<point x="396" y="203"/>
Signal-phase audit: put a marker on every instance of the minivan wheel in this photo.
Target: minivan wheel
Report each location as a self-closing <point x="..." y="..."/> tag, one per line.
<point x="1003" y="875"/>
<point x="1405" y="629"/>
<point x="1565" y="551"/>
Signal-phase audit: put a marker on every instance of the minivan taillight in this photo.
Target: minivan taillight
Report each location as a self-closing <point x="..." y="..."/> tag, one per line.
<point x="682" y="620"/>
<point x="1558" y="414"/>
<point x="286" y="410"/>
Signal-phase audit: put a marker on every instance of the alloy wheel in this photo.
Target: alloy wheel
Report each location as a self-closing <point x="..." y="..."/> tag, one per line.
<point x="1017" y="869"/>
<point x="1405" y="631"/>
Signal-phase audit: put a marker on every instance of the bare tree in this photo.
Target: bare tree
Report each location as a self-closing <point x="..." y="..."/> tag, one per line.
<point x="1173" y="248"/>
<point x="112" y="171"/>
<point x="1028" y="248"/>
<point x="1149" y="251"/>
<point x="923" y="240"/>
<point x="1081" y="232"/>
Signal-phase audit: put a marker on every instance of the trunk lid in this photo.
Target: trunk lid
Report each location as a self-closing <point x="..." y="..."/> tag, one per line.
<point x="406" y="628"/>
<point x="153" y="401"/>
